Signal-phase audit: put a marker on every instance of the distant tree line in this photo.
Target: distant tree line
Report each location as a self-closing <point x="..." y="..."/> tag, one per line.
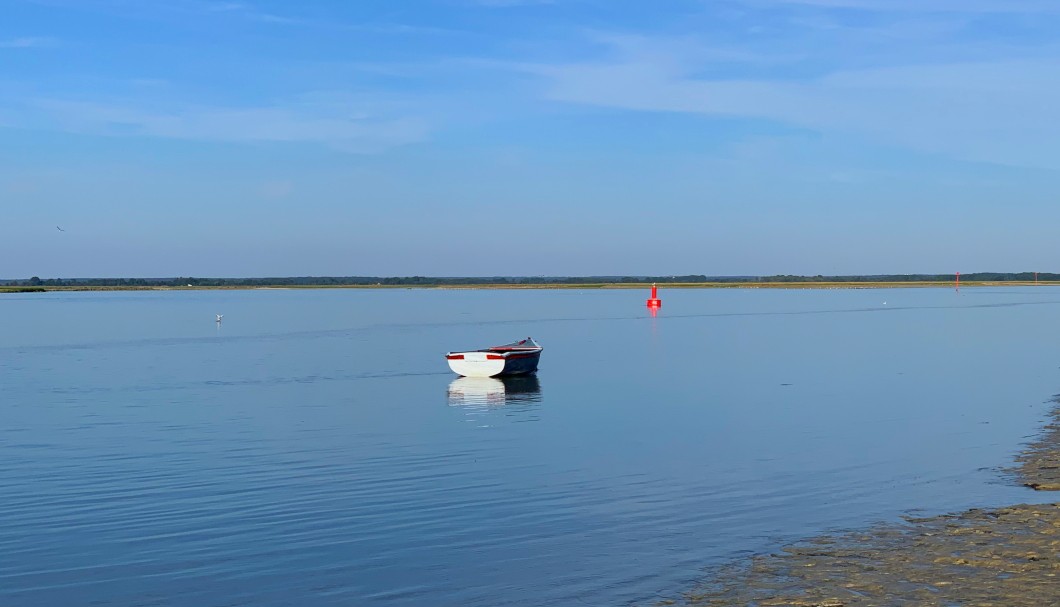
<point x="327" y="281"/>
<point x="427" y="281"/>
<point x="971" y="277"/>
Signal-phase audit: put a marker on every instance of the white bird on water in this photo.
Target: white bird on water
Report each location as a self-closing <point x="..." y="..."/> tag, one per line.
<point x="219" y="317"/>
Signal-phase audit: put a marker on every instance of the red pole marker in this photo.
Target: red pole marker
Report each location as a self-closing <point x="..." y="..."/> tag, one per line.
<point x="958" y="281"/>
<point x="654" y="303"/>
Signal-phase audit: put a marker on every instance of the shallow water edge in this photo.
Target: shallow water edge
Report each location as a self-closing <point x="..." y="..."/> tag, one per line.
<point x="1003" y="556"/>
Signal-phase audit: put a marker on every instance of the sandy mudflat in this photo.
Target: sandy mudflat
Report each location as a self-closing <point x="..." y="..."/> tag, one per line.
<point x="1002" y="557"/>
<point x="1039" y="464"/>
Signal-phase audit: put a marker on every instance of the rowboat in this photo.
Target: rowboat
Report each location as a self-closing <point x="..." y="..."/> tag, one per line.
<point x="516" y="358"/>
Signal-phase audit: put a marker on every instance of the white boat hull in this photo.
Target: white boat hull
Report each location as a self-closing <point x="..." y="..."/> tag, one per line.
<point x="520" y="358"/>
<point x="475" y="364"/>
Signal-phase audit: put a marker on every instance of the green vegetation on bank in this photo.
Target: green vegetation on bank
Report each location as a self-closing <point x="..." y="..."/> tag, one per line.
<point x="698" y="280"/>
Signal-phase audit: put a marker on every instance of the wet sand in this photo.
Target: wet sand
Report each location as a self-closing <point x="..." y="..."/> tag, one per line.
<point x="1000" y="557"/>
<point x="1039" y="464"/>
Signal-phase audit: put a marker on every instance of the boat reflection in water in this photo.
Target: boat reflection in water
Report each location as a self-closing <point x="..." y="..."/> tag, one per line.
<point x="488" y="392"/>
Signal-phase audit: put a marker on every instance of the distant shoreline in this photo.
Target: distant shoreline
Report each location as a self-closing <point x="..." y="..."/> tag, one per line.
<point x="545" y="286"/>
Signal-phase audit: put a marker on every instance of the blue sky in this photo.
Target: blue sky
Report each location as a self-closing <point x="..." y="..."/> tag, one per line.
<point x="521" y="137"/>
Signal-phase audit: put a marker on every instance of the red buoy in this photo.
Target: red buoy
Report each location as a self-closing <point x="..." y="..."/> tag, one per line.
<point x="654" y="302"/>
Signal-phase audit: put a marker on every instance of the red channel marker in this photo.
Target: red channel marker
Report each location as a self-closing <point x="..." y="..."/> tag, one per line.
<point x="654" y="302"/>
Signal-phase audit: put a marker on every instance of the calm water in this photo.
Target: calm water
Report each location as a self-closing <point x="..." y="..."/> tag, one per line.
<point x="315" y="450"/>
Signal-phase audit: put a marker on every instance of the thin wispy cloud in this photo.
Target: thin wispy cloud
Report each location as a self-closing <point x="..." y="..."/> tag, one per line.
<point x="29" y="42"/>
<point x="169" y="11"/>
<point x="509" y="3"/>
<point x="922" y="6"/>
<point x="276" y="188"/>
<point x="992" y="111"/>
<point x="309" y="121"/>
<point x="251" y="12"/>
<point x="224" y="7"/>
<point x="176" y="13"/>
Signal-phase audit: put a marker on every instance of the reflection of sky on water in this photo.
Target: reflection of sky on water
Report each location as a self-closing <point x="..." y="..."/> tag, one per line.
<point x="482" y="395"/>
<point x="733" y="422"/>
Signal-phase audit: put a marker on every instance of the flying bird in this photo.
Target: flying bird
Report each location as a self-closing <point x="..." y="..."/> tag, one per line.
<point x="60" y="229"/>
<point x="219" y="317"/>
